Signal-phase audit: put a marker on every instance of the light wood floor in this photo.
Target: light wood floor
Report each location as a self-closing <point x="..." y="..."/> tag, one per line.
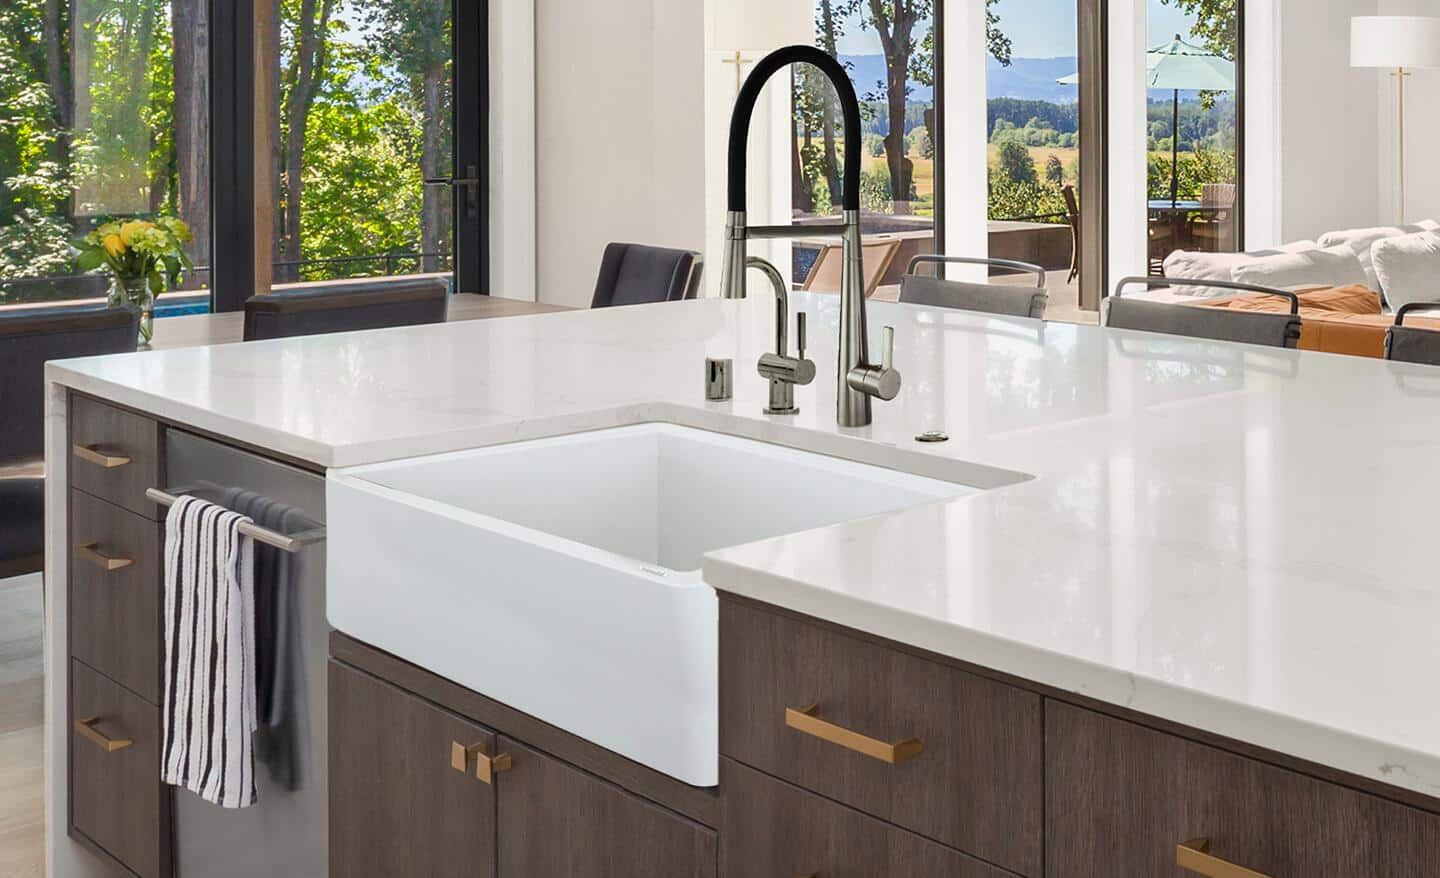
<point x="22" y="784"/>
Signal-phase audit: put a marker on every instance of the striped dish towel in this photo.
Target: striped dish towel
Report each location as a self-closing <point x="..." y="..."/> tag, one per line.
<point x="209" y="712"/>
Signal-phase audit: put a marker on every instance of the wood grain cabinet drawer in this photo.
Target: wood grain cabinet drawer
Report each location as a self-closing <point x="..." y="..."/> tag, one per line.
<point x="1121" y="798"/>
<point x="116" y="798"/>
<point x="771" y="829"/>
<point x="115" y="593"/>
<point x="830" y="712"/>
<point x="114" y="454"/>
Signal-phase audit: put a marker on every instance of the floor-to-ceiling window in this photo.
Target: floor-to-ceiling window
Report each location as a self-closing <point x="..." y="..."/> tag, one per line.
<point x="1033" y="132"/>
<point x="890" y="50"/>
<point x="369" y="153"/>
<point x="103" y="115"/>
<point x="1193" y="128"/>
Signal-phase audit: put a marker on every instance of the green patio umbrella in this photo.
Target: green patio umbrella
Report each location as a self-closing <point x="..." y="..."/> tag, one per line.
<point x="1180" y="66"/>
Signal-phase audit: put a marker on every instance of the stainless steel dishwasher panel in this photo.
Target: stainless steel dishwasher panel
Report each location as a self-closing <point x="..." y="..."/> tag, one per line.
<point x="285" y="834"/>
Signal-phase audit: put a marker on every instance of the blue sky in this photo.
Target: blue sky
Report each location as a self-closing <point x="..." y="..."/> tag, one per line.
<point x="1041" y="28"/>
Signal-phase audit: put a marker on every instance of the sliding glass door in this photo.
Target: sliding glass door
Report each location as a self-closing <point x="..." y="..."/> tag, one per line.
<point x="375" y="133"/>
<point x="1193" y="129"/>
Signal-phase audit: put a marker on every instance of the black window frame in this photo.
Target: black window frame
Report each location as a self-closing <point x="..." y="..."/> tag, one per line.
<point x="232" y="139"/>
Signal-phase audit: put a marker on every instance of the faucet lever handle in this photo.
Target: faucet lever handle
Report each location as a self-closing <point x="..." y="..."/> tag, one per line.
<point x="800" y="333"/>
<point x="887" y="348"/>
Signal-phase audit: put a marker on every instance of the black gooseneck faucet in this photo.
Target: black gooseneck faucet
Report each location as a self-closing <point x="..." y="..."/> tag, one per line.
<point x="857" y="379"/>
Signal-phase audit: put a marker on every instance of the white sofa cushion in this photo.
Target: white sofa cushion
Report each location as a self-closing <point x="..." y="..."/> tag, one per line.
<point x="1363" y="240"/>
<point x="1409" y="268"/>
<point x="1198" y="265"/>
<point x="1334" y="266"/>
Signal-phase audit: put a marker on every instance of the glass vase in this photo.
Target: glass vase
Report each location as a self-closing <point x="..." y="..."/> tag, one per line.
<point x="136" y="291"/>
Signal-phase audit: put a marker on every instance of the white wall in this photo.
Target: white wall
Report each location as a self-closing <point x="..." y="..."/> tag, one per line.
<point x="619" y="134"/>
<point x="1422" y="98"/>
<point x="512" y="150"/>
<point x="1329" y="135"/>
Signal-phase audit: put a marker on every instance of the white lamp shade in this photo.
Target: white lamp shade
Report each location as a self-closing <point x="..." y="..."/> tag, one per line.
<point x="1393" y="41"/>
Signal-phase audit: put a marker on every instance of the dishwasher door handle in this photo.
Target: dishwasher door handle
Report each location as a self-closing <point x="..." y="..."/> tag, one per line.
<point x="283" y="542"/>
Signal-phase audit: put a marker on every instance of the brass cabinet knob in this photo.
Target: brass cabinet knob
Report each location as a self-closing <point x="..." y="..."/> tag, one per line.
<point x="1194" y="856"/>
<point x="804" y="720"/>
<point x="486" y="767"/>
<point x="91" y="552"/>
<point x="90" y="454"/>
<point x="86" y="727"/>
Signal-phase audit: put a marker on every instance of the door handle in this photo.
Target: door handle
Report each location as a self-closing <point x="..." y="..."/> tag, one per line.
<point x="86" y="727"/>
<point x="470" y="182"/>
<point x="90" y="552"/>
<point x="1194" y="856"/>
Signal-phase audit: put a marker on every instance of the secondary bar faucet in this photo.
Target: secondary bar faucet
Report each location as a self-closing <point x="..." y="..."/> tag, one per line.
<point x="783" y="370"/>
<point x="856" y="378"/>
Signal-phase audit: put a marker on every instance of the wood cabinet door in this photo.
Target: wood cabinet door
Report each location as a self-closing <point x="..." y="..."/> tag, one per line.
<point x="772" y="829"/>
<point x="1121" y="797"/>
<point x="557" y="821"/>
<point x="406" y="799"/>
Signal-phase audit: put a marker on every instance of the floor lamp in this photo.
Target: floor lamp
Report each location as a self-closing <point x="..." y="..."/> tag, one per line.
<point x="1400" y="43"/>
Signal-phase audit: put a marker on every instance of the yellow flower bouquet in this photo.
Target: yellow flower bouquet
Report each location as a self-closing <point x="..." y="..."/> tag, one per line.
<point x="146" y="258"/>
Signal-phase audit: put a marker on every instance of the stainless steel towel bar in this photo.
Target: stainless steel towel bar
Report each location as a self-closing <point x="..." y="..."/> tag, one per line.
<point x="285" y="542"/>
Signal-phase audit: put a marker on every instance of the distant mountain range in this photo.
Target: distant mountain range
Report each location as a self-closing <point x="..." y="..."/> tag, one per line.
<point x="1030" y="79"/>
<point x="1026" y="78"/>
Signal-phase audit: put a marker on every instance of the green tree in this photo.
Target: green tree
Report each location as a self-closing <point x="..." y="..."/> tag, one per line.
<point x="1054" y="170"/>
<point x="414" y="35"/>
<point x="1016" y="163"/>
<point x="306" y="43"/>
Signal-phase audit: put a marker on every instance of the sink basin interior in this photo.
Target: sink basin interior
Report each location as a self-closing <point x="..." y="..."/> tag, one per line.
<point x="658" y="493"/>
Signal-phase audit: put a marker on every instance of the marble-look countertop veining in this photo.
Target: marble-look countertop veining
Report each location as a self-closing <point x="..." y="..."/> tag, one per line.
<point x="1233" y="538"/>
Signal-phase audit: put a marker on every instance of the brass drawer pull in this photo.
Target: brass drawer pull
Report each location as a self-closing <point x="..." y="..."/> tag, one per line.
<point x="100" y="458"/>
<point x="486" y="767"/>
<point x="1192" y="856"/>
<point x="87" y="728"/>
<point x="90" y="552"/>
<point x="804" y="720"/>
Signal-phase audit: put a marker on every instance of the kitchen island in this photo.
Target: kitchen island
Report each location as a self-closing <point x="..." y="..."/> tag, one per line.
<point x="1221" y="544"/>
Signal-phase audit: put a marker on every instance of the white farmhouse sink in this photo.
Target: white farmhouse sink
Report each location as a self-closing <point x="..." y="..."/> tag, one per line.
<point x="562" y="576"/>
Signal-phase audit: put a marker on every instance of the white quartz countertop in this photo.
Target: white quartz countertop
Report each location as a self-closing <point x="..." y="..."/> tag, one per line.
<point x="1233" y="538"/>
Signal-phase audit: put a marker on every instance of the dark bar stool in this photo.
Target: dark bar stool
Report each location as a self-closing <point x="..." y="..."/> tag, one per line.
<point x="637" y="274"/>
<point x="28" y="339"/>
<point x="1216" y="324"/>
<point x="346" y="308"/>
